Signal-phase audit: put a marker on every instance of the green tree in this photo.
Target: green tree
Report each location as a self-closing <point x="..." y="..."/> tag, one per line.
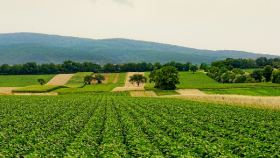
<point x="138" y="78"/>
<point x="99" y="78"/>
<point x="41" y="81"/>
<point x="193" y="68"/>
<point x="267" y="72"/>
<point x="275" y="77"/>
<point x="88" y="79"/>
<point x="165" y="78"/>
<point x="257" y="74"/>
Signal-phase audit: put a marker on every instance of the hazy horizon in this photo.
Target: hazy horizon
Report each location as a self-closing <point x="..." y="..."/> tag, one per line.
<point x="250" y="25"/>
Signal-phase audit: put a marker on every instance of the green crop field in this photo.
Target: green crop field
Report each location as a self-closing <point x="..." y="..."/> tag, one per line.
<point x="267" y="91"/>
<point x="115" y="125"/>
<point x="122" y="78"/>
<point x="22" y="80"/>
<point x="89" y="88"/>
<point x="111" y="78"/>
<point x="248" y="70"/>
<point x="96" y="87"/>
<point x="37" y="89"/>
<point x="200" y="80"/>
<point x="77" y="80"/>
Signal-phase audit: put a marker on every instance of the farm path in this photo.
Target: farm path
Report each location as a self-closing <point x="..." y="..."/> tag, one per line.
<point x="106" y="75"/>
<point x="8" y="89"/>
<point x="190" y="92"/>
<point x="116" y="78"/>
<point x="60" y="79"/>
<point x="131" y="87"/>
<point x="143" y="94"/>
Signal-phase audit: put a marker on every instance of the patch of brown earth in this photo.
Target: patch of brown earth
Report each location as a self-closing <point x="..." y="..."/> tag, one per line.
<point x="143" y="94"/>
<point x="28" y="93"/>
<point x="106" y="75"/>
<point x="60" y="79"/>
<point x="8" y="89"/>
<point x="116" y="78"/>
<point x="190" y="92"/>
<point x="129" y="86"/>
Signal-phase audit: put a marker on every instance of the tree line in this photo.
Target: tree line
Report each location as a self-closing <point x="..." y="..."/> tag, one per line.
<point x="73" y="67"/>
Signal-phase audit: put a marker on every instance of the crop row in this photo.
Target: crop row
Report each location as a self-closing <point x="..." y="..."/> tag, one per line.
<point x="115" y="126"/>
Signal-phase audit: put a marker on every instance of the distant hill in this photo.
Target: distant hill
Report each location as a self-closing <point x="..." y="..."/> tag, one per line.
<point x="18" y="48"/>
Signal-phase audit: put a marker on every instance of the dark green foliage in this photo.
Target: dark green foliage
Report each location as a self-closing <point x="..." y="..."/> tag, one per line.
<point x="239" y="79"/>
<point x="88" y="79"/>
<point x="275" y="76"/>
<point x="41" y="81"/>
<point x="267" y="72"/>
<point x="261" y="61"/>
<point x="204" y="67"/>
<point x="193" y="68"/>
<point x="138" y="78"/>
<point x="165" y="78"/>
<point x="238" y="71"/>
<point x="257" y="74"/>
<point x="99" y="78"/>
<point x="250" y="80"/>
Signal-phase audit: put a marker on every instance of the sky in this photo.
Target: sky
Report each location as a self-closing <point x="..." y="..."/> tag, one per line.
<point x="247" y="25"/>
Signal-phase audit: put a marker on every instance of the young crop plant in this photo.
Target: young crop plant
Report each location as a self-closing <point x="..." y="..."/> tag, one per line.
<point x="108" y="125"/>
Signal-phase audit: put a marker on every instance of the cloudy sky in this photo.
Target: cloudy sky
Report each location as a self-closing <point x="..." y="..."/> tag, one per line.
<point x="249" y="25"/>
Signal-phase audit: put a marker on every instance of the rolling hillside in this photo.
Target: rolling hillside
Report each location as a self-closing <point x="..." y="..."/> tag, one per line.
<point x="18" y="48"/>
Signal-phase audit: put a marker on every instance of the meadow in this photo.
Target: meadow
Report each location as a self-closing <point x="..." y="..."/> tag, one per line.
<point x="22" y="80"/>
<point x="77" y="80"/>
<point x="115" y="125"/>
<point x="199" y="80"/>
<point x="248" y="70"/>
<point x="265" y="91"/>
<point x="96" y="87"/>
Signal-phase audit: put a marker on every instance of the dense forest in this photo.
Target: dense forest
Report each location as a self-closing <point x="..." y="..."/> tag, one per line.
<point x="20" y="48"/>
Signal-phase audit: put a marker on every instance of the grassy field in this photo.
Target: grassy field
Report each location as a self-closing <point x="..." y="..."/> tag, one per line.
<point x="248" y="70"/>
<point x="267" y="91"/>
<point x="77" y="80"/>
<point x="22" y="80"/>
<point x="89" y="88"/>
<point x="116" y="125"/>
<point x="96" y="87"/>
<point x="37" y="89"/>
<point x="200" y="80"/>
<point x="122" y="78"/>
<point x="111" y="78"/>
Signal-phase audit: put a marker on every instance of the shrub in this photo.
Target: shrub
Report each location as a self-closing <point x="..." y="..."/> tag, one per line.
<point x="250" y="80"/>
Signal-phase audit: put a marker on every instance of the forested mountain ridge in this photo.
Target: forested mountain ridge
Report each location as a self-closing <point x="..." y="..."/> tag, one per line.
<point x="43" y="48"/>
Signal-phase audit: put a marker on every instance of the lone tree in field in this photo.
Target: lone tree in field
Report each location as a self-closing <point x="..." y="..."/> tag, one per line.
<point x="138" y="78"/>
<point x="88" y="79"/>
<point x="41" y="81"/>
<point x="99" y="78"/>
<point x="193" y="68"/>
<point x="165" y="78"/>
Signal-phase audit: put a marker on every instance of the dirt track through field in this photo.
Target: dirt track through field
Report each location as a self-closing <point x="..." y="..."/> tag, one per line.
<point x="131" y="87"/>
<point x="190" y="92"/>
<point x="60" y="79"/>
<point x="143" y="94"/>
<point x="116" y="78"/>
<point x="106" y="75"/>
<point x="28" y="93"/>
<point x="8" y="89"/>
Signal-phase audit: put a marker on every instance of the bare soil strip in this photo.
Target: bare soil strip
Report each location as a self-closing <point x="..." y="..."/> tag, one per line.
<point x="60" y="79"/>
<point x="128" y="84"/>
<point x="239" y="100"/>
<point x="143" y="94"/>
<point x="28" y="93"/>
<point x="190" y="92"/>
<point x="131" y="87"/>
<point x="8" y="89"/>
<point x="116" y="78"/>
<point x="106" y="75"/>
